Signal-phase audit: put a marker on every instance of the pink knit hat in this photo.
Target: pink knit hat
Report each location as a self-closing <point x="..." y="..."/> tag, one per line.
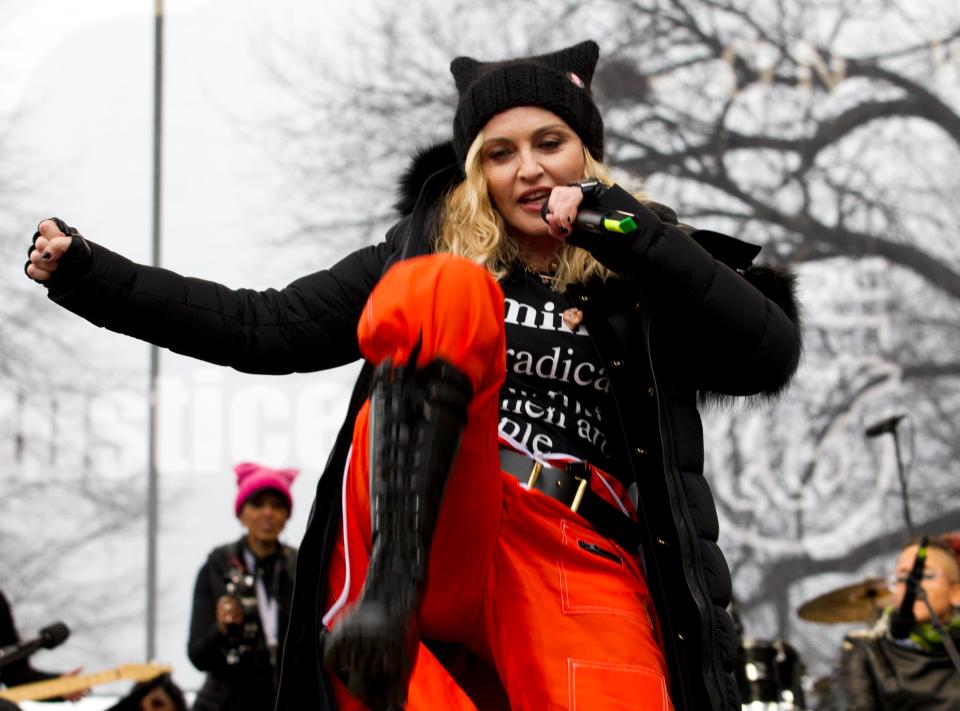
<point x="252" y="477"/>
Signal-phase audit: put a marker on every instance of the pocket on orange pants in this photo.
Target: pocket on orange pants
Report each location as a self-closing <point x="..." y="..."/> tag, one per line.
<point x="595" y="577"/>
<point x="598" y="684"/>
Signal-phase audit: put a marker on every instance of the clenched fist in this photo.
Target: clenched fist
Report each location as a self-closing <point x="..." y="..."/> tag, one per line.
<point x="55" y="245"/>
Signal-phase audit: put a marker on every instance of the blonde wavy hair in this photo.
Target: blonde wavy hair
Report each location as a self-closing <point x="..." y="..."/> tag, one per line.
<point x="471" y="227"/>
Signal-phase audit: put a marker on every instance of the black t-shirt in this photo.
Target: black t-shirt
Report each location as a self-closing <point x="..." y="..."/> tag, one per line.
<point x="556" y="398"/>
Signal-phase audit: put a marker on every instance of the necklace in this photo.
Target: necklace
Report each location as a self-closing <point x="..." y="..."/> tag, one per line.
<point x="546" y="276"/>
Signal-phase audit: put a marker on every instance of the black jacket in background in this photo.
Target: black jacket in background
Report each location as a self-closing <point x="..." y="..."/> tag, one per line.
<point x="687" y="316"/>
<point x="248" y="685"/>
<point x="877" y="674"/>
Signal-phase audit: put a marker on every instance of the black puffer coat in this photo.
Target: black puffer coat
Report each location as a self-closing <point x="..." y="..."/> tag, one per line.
<point x="685" y="321"/>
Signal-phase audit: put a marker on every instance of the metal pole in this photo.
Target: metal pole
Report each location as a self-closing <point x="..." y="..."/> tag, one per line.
<point x="152" y="474"/>
<point x="903" y="485"/>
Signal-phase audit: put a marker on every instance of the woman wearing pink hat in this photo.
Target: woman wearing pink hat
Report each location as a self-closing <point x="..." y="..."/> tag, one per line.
<point x="242" y="598"/>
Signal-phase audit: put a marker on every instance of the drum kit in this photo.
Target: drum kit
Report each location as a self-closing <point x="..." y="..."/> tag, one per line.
<point x="770" y="672"/>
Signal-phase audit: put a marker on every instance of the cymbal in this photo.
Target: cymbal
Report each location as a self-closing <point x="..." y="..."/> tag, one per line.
<point x="853" y="603"/>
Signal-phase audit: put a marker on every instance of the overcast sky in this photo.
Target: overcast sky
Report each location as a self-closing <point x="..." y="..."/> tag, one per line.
<point x="76" y="104"/>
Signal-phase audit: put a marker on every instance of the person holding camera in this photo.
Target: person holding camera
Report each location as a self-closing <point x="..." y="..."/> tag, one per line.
<point x="242" y="598"/>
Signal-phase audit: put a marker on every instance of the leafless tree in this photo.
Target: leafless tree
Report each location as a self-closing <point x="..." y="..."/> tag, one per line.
<point x="828" y="132"/>
<point x="354" y="118"/>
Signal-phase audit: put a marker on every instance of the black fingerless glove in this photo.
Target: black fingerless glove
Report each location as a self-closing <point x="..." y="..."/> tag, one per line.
<point x="72" y="266"/>
<point x="617" y="252"/>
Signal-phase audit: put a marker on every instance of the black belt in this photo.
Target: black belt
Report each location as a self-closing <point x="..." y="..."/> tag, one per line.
<point x="570" y="485"/>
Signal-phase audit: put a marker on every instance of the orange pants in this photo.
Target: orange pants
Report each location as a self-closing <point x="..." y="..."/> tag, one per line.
<point x="508" y="579"/>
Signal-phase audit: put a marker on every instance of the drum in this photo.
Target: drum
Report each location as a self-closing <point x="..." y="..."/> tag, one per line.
<point x="769" y="674"/>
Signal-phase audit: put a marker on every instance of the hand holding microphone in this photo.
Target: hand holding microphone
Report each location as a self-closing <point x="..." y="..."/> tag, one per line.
<point x="611" y="236"/>
<point x="562" y="212"/>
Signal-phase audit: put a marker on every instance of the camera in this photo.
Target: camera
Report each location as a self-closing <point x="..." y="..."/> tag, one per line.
<point x="241" y="637"/>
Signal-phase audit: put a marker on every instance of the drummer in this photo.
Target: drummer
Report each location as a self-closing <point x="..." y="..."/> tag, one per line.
<point x="880" y="672"/>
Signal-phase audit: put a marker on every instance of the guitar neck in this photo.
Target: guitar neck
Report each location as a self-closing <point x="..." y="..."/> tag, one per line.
<point x="52" y="688"/>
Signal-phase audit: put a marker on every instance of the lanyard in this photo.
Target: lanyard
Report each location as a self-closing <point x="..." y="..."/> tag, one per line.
<point x="268" y="607"/>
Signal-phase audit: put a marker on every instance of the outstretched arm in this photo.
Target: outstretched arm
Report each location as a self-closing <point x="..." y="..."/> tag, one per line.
<point x="309" y="325"/>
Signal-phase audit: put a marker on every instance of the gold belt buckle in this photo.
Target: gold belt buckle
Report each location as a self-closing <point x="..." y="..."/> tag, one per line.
<point x="581" y="490"/>
<point x="534" y="474"/>
<point x="581" y="487"/>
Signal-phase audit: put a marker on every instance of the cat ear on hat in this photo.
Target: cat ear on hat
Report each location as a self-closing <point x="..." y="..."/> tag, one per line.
<point x="581" y="59"/>
<point x="245" y="469"/>
<point x="465" y="71"/>
<point x="288" y="475"/>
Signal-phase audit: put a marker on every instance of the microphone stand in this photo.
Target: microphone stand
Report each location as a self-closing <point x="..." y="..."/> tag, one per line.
<point x="938" y="626"/>
<point x="889" y="426"/>
<point x="903" y="483"/>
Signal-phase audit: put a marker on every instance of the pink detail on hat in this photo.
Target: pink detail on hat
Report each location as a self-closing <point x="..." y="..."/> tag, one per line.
<point x="575" y="78"/>
<point x="253" y="477"/>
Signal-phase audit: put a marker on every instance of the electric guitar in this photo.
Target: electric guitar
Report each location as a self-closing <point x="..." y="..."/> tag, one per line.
<point x="52" y="688"/>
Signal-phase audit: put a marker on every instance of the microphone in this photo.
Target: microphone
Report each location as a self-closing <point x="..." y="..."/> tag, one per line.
<point x="600" y="221"/>
<point x="596" y="221"/>
<point x="49" y="637"/>
<point x="883" y="426"/>
<point x="902" y="620"/>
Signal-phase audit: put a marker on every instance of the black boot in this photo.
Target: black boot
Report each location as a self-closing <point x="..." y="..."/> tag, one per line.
<point x="417" y="417"/>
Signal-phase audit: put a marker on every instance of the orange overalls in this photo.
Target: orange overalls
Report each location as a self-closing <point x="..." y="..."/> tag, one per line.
<point x="509" y="577"/>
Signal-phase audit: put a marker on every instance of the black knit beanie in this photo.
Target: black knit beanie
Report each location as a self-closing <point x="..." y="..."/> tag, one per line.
<point x="558" y="82"/>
